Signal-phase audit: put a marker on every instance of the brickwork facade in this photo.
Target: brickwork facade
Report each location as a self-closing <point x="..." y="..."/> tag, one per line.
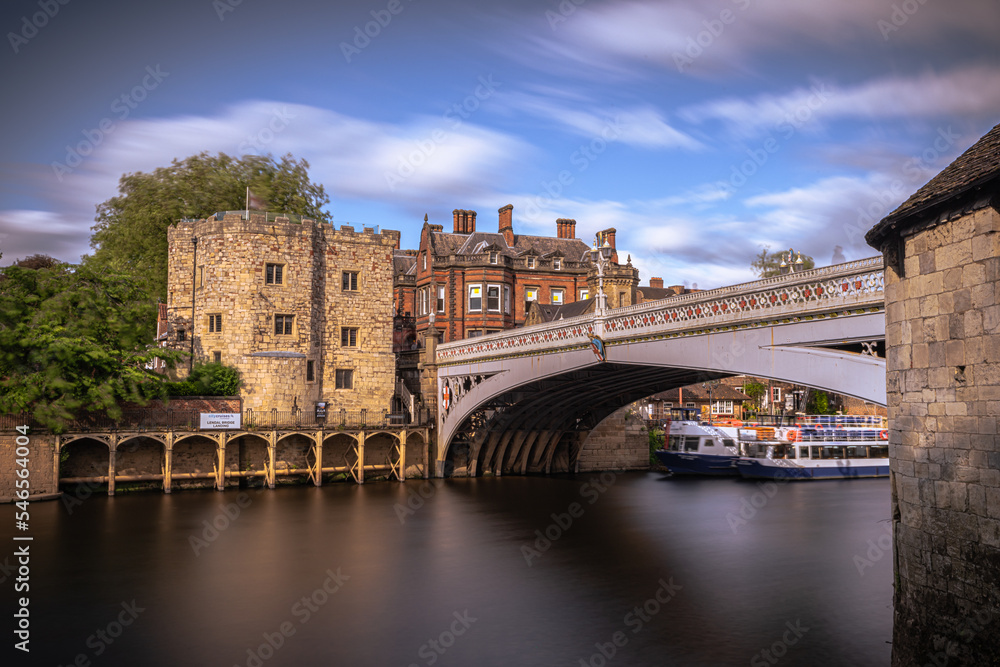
<point x="304" y="311"/>
<point x="39" y="463"/>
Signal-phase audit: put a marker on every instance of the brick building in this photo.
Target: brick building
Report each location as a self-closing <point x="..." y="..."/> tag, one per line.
<point x="469" y="282"/>
<point x="303" y="310"/>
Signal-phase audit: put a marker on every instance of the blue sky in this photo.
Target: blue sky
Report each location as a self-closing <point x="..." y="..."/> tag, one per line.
<point x="700" y="130"/>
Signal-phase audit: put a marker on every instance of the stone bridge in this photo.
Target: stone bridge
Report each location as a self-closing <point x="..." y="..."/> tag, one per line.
<point x="524" y="400"/>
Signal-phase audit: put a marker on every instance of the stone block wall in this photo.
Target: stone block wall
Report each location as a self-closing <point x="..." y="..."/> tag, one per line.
<point x="943" y="382"/>
<point x="230" y="282"/>
<point x="619" y="442"/>
<point x="41" y="477"/>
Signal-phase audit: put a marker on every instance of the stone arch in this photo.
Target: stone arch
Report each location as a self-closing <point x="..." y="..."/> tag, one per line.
<point x="293" y="454"/>
<point x="84" y="457"/>
<point x="142" y="456"/>
<point x="194" y="458"/>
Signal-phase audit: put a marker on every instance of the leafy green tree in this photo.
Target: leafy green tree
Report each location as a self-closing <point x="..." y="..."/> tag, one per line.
<point x="75" y="340"/>
<point x="818" y="403"/>
<point x="211" y="379"/>
<point x="131" y="231"/>
<point x="767" y="264"/>
<point x="755" y="390"/>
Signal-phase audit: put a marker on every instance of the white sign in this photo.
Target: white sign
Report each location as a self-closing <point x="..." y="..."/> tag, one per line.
<point x="210" y="420"/>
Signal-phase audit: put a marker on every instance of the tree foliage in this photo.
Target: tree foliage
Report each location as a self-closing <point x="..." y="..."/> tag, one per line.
<point x="131" y="231"/>
<point x="208" y="380"/>
<point x="767" y="264"/>
<point x="75" y="340"/>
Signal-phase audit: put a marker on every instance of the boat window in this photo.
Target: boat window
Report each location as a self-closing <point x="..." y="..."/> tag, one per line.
<point x="728" y="443"/>
<point x="707" y="442"/>
<point x="674" y="443"/>
<point x="879" y="451"/>
<point x="691" y="443"/>
<point x="857" y="452"/>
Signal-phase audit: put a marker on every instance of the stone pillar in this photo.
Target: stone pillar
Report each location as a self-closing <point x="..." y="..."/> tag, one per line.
<point x="271" y="453"/>
<point x="318" y="448"/>
<point x="220" y="469"/>
<point x="361" y="457"/>
<point x="168" y="458"/>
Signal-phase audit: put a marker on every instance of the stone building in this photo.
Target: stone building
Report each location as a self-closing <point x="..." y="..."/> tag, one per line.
<point x="467" y="282"/>
<point x="303" y="310"/>
<point x="942" y="298"/>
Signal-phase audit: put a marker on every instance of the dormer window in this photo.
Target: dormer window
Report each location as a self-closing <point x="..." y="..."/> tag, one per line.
<point x="557" y="263"/>
<point x="493" y="258"/>
<point x="531" y="262"/>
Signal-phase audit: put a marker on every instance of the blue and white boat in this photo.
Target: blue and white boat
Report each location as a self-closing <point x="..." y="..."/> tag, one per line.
<point x="820" y="447"/>
<point x="695" y="448"/>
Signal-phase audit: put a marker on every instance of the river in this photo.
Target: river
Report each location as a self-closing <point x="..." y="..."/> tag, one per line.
<point x="598" y="569"/>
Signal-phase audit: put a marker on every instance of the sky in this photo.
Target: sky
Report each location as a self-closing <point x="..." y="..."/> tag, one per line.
<point x="701" y="131"/>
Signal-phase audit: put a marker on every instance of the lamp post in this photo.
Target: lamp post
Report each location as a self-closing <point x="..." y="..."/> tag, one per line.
<point x="601" y="258"/>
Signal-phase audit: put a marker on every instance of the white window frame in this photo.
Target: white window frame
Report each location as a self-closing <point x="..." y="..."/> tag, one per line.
<point x="531" y="293"/>
<point x="552" y="296"/>
<point x="584" y="294"/>
<point x="440" y="299"/>
<point x="723" y="406"/>
<point x="531" y="262"/>
<point x="493" y="257"/>
<point x="489" y="288"/>
<point x="506" y="299"/>
<point x="557" y="264"/>
<point x="471" y="288"/>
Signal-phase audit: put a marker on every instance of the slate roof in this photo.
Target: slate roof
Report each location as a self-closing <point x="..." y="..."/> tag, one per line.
<point x="446" y="243"/>
<point x="551" y="312"/>
<point x="655" y="293"/>
<point x="964" y="178"/>
<point x="403" y="263"/>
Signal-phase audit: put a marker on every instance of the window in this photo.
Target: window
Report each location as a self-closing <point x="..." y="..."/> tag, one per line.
<point x="440" y="299"/>
<point x="217" y="357"/>
<point x="274" y="274"/>
<point x="493" y="298"/>
<point x="531" y="294"/>
<point x="621" y="300"/>
<point x="776" y="394"/>
<point x="422" y="306"/>
<point x="475" y="333"/>
<point x="283" y="324"/>
<point x="348" y="336"/>
<point x="345" y="379"/>
<point x="201" y="276"/>
<point x="557" y="297"/>
<point x="506" y="298"/>
<point x="215" y="324"/>
<point x="584" y="294"/>
<point x="557" y="263"/>
<point x="475" y="298"/>
<point x="181" y="335"/>
<point x="493" y="258"/>
<point x="425" y="261"/>
<point x="724" y="407"/>
<point x="689" y="404"/>
<point x="310" y="370"/>
<point x="531" y="262"/>
<point x="349" y="281"/>
<point x="493" y="331"/>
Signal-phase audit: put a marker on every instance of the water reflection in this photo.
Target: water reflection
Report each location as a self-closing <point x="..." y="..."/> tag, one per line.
<point x="651" y="572"/>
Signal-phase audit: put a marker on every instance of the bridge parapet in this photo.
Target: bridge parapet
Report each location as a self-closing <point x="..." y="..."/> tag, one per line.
<point x="847" y="288"/>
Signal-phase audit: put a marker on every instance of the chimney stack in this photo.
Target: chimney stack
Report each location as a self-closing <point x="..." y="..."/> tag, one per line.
<point x="464" y="221"/>
<point x="506" y="224"/>
<point x="456" y="222"/>
<point x="566" y="228"/>
<point x="656" y="283"/>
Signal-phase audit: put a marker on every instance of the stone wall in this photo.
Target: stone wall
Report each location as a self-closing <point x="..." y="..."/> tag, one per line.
<point x="619" y="442"/>
<point x="39" y="464"/>
<point x="232" y="288"/>
<point x="943" y="381"/>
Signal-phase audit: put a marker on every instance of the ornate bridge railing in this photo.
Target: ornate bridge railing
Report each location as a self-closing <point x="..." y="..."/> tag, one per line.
<point x="848" y="288"/>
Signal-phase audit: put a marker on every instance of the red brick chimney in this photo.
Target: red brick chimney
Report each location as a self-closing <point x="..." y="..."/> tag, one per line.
<point x="656" y="283"/>
<point x="566" y="228"/>
<point x="507" y="224"/>
<point x="456" y="221"/>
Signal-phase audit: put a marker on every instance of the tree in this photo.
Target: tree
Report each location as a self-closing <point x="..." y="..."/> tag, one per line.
<point x="767" y="264"/>
<point x="75" y="340"/>
<point x="755" y="390"/>
<point x="130" y="236"/>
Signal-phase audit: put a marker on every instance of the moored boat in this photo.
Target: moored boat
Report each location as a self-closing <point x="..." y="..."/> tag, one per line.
<point x="820" y="447"/>
<point x="695" y="448"/>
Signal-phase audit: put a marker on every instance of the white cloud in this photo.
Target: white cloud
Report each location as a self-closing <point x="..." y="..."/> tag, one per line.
<point x="973" y="91"/>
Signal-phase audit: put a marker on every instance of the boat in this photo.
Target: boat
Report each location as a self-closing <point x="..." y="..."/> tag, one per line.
<point x="818" y="447"/>
<point x="692" y="447"/>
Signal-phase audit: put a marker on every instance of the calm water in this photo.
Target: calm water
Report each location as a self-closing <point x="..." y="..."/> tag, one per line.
<point x="344" y="575"/>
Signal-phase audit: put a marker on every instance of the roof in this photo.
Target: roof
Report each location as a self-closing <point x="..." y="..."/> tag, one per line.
<point x="655" y="293"/>
<point x="403" y="262"/>
<point x="550" y="312"/>
<point x="962" y="179"/>
<point x="446" y="243"/>
<point x="696" y="392"/>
